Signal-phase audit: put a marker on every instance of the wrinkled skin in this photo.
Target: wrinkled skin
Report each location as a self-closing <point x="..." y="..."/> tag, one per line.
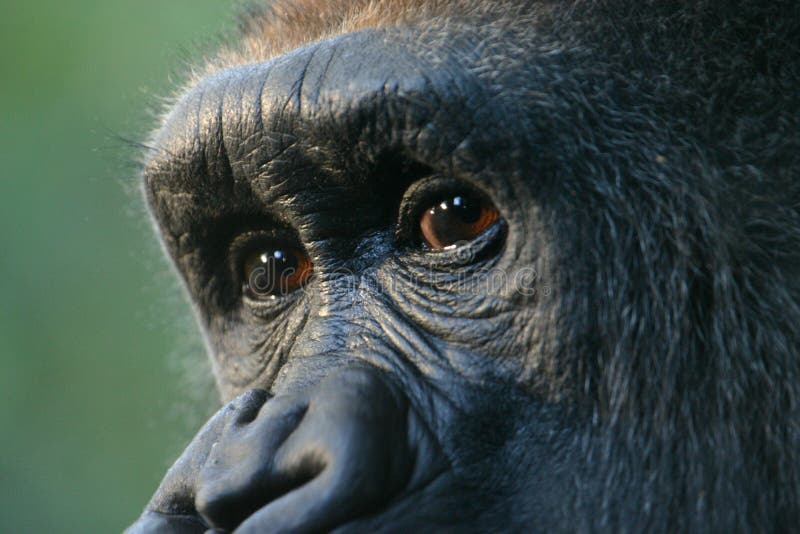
<point x="638" y="369"/>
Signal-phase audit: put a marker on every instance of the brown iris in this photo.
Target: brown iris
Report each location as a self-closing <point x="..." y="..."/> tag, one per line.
<point x="270" y="272"/>
<point x="456" y="219"/>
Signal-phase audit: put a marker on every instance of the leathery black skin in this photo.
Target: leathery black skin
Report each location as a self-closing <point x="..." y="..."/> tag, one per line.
<point x="630" y="371"/>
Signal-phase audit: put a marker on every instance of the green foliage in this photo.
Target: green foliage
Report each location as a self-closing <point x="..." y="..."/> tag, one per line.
<point x="95" y="335"/>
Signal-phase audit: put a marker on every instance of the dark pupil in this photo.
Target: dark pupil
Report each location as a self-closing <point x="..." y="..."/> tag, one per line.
<point x="452" y="220"/>
<point x="465" y="211"/>
<point x="270" y="272"/>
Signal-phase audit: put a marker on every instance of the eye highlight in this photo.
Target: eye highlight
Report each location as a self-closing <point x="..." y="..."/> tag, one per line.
<point x="269" y="272"/>
<point x="456" y="218"/>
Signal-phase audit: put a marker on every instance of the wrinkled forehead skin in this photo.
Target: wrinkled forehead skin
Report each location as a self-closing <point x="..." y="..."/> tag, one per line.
<point x="374" y="86"/>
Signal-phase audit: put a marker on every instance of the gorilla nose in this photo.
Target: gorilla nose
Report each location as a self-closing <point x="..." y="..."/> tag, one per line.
<point x="311" y="461"/>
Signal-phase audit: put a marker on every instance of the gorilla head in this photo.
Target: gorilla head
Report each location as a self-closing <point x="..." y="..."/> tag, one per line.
<point x="491" y="266"/>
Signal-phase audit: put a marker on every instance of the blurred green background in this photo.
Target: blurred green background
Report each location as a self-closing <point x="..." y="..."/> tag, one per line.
<point x="103" y="379"/>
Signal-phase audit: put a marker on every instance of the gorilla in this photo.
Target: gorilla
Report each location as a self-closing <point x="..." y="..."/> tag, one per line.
<point x="490" y="266"/>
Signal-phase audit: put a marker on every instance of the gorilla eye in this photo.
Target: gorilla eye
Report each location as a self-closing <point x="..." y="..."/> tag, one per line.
<point x="271" y="272"/>
<point x="454" y="219"/>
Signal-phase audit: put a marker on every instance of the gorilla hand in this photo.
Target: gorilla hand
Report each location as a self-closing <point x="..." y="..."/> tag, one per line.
<point x="172" y="507"/>
<point x="296" y="463"/>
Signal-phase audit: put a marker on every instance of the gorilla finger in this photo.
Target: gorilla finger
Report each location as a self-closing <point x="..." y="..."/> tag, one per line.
<point x="240" y="476"/>
<point x="175" y="494"/>
<point x="313" y="507"/>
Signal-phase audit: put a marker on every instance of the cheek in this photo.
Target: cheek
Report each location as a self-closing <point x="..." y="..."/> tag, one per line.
<point x="448" y="309"/>
<point x="248" y="349"/>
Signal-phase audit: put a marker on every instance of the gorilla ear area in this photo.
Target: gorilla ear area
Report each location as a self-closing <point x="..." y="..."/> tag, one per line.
<point x="490" y="266"/>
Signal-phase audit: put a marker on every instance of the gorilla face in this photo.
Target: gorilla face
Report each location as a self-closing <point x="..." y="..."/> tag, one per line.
<point x="492" y="267"/>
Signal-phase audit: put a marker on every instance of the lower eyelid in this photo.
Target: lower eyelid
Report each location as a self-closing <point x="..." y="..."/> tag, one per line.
<point x="460" y="256"/>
